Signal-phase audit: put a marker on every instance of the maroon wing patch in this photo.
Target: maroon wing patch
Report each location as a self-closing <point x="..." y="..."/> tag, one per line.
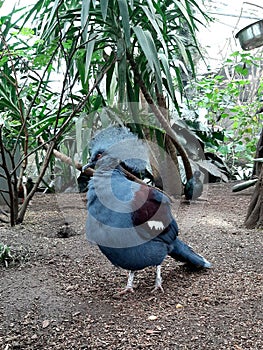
<point x="151" y="210"/>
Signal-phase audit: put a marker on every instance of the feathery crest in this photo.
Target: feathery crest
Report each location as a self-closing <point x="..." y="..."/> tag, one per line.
<point x="121" y="143"/>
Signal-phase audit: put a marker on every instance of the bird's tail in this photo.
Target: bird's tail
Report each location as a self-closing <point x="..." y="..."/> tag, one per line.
<point x="183" y="252"/>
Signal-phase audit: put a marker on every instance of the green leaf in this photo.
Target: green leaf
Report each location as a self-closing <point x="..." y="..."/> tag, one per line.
<point x="55" y="7"/>
<point x="104" y="8"/>
<point x="235" y="54"/>
<point x="89" y="52"/>
<point x="168" y="76"/>
<point x="85" y="17"/>
<point x="244" y="185"/>
<point x="148" y="46"/>
<point x="191" y="62"/>
<point x="187" y="15"/>
<point x="212" y="169"/>
<point x="160" y="138"/>
<point x="152" y="17"/>
<point x="46" y="121"/>
<point x="111" y="82"/>
<point x="182" y="48"/>
<point x="125" y="19"/>
<point x="179" y="79"/>
<point x="122" y="72"/>
<point x="241" y="70"/>
<point x="140" y="34"/>
<point x="156" y="62"/>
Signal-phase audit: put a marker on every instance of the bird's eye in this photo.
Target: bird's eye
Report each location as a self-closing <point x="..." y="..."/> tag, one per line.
<point x="98" y="156"/>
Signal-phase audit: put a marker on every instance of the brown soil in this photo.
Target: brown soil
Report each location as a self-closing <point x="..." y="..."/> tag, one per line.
<point x="61" y="294"/>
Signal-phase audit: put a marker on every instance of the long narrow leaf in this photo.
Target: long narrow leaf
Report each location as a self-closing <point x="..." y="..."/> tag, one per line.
<point x="53" y="12"/>
<point x="111" y="82"/>
<point x="122" y="71"/>
<point x="89" y="52"/>
<point x="156" y="62"/>
<point x="147" y="44"/>
<point x="46" y="121"/>
<point x="140" y="34"/>
<point x="85" y="9"/>
<point x="151" y="7"/>
<point x="125" y="19"/>
<point x="104" y="8"/>
<point x="179" y="79"/>
<point x="202" y="12"/>
<point x="168" y="76"/>
<point x="131" y="4"/>
<point x="153" y="19"/>
<point x="181" y="47"/>
<point x="190" y="60"/>
<point x="185" y="14"/>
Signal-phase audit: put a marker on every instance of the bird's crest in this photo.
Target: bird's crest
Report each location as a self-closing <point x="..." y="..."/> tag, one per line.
<point x="121" y="143"/>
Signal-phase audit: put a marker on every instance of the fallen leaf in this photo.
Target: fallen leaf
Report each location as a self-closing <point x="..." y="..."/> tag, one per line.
<point x="152" y="331"/>
<point x="237" y="347"/>
<point x="45" y="323"/>
<point x="76" y="314"/>
<point x="152" y="318"/>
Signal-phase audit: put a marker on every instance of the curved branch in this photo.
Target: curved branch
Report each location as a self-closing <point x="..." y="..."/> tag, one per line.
<point x="159" y="115"/>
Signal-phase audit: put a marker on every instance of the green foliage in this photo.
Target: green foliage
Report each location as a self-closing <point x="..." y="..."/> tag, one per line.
<point x="231" y="104"/>
<point x="104" y="31"/>
<point x="5" y="254"/>
<point x="56" y="71"/>
<point x="32" y="106"/>
<point x="10" y="256"/>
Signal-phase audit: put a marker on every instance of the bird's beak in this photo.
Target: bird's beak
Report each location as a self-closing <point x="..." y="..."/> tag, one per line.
<point x="89" y="165"/>
<point x="92" y="163"/>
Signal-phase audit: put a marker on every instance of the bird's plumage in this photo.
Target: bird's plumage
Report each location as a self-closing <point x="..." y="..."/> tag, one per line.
<point x="132" y="223"/>
<point x="194" y="187"/>
<point x="124" y="139"/>
<point x="123" y="213"/>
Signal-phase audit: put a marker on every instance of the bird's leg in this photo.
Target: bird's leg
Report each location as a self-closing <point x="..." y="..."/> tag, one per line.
<point x="129" y="286"/>
<point x="158" y="279"/>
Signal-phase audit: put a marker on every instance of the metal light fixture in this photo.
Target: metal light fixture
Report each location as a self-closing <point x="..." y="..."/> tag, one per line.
<point x="251" y="36"/>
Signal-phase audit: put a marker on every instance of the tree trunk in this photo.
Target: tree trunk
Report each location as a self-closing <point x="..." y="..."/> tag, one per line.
<point x="254" y="218"/>
<point x="259" y="154"/>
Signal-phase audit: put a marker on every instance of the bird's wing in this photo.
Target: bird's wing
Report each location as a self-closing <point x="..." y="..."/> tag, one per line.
<point x="126" y="213"/>
<point x="189" y="189"/>
<point x="151" y="211"/>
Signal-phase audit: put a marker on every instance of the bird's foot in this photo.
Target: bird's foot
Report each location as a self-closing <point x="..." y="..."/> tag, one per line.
<point x="126" y="290"/>
<point x="158" y="280"/>
<point x="157" y="287"/>
<point x="129" y="286"/>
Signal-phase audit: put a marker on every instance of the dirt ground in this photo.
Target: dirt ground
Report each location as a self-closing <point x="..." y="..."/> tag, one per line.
<point x="61" y="294"/>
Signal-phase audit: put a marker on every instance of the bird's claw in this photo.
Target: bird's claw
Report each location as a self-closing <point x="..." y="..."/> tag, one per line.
<point x="126" y="290"/>
<point x="158" y="280"/>
<point x="158" y="286"/>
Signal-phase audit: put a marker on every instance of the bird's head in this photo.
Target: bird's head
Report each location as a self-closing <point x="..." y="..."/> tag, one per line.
<point x="197" y="174"/>
<point x="103" y="161"/>
<point x="118" y="145"/>
<point x="93" y="160"/>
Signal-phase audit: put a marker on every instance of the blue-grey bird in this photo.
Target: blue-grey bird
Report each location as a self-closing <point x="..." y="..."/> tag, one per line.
<point x="131" y="223"/>
<point x="193" y="189"/>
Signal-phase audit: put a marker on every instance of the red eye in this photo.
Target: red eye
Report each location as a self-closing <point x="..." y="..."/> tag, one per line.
<point x="99" y="155"/>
